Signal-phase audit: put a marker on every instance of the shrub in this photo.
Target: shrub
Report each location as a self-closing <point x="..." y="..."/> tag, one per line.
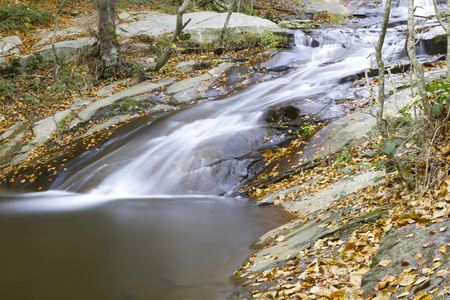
<point x="22" y="17"/>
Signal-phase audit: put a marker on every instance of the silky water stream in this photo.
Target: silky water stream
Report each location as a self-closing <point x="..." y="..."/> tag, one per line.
<point x="148" y="216"/>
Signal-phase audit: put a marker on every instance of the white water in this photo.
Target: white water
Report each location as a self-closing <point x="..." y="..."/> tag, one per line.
<point x="422" y="8"/>
<point x="192" y="151"/>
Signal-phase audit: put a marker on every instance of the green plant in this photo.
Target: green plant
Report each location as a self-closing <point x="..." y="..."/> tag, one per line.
<point x="343" y="158"/>
<point x="7" y="89"/>
<point x="22" y="17"/>
<point x="440" y="90"/>
<point x="307" y="129"/>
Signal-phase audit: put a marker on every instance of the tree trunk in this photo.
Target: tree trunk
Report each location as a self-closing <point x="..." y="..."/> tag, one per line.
<point x="380" y="63"/>
<point x="221" y="49"/>
<point x="108" y="37"/>
<point x="411" y="51"/>
<point x="381" y="122"/>
<point x="167" y="53"/>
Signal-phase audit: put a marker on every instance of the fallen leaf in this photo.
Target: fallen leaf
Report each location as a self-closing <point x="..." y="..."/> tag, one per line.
<point x="409" y="279"/>
<point x="385" y="262"/>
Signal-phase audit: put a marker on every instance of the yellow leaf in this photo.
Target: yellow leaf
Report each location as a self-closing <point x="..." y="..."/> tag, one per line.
<point x="443" y="273"/>
<point x="409" y="279"/>
<point x="385" y="262"/>
<point x="404" y="294"/>
<point x="443" y="248"/>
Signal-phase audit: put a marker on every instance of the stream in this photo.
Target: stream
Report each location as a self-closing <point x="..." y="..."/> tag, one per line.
<point x="150" y="214"/>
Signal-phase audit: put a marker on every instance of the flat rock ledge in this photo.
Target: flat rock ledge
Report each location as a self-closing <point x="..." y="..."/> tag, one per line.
<point x="113" y="107"/>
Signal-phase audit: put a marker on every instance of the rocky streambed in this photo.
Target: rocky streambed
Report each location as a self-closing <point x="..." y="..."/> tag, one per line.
<point x="346" y="242"/>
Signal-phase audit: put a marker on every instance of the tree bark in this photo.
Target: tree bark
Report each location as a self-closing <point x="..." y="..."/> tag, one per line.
<point x="381" y="123"/>
<point x="411" y="51"/>
<point x="220" y="49"/>
<point x="108" y="37"/>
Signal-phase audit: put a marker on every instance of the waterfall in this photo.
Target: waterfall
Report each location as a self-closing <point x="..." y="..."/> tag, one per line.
<point x="423" y="8"/>
<point x="208" y="149"/>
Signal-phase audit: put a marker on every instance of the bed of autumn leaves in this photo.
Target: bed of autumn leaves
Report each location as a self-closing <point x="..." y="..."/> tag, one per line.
<point x="333" y="267"/>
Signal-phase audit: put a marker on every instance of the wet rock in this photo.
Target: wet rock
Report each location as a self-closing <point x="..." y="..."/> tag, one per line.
<point x="286" y="113"/>
<point x="187" y="84"/>
<point x="299" y="24"/>
<point x="432" y="42"/>
<point x="282" y="62"/>
<point x="161" y="107"/>
<point x="8" y="46"/>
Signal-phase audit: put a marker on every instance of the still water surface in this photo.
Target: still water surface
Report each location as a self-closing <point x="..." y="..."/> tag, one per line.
<point x="61" y="246"/>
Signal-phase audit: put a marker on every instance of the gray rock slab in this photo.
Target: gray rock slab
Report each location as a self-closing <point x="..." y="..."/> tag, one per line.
<point x="286" y="241"/>
<point x="161" y="107"/>
<point x="186" y="84"/>
<point x="46" y="36"/>
<point x="397" y="247"/>
<point x="218" y="71"/>
<point x="204" y="27"/>
<point x="351" y="129"/>
<point x="299" y="24"/>
<point x="8" y="46"/>
<point x="151" y="23"/>
<point x="307" y="203"/>
<point x="110" y="122"/>
<point x="67" y="50"/>
<point x="331" y="6"/>
<point x="125" y="16"/>
<point x="109" y="89"/>
<point x="185" y="66"/>
<point x="144" y="87"/>
<point x="43" y="129"/>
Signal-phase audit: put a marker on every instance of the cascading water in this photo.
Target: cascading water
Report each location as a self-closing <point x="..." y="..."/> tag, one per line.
<point x="423" y="8"/>
<point x="185" y="154"/>
<point x="141" y="217"/>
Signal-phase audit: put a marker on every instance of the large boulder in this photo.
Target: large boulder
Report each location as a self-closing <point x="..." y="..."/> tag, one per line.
<point x="204" y="27"/>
